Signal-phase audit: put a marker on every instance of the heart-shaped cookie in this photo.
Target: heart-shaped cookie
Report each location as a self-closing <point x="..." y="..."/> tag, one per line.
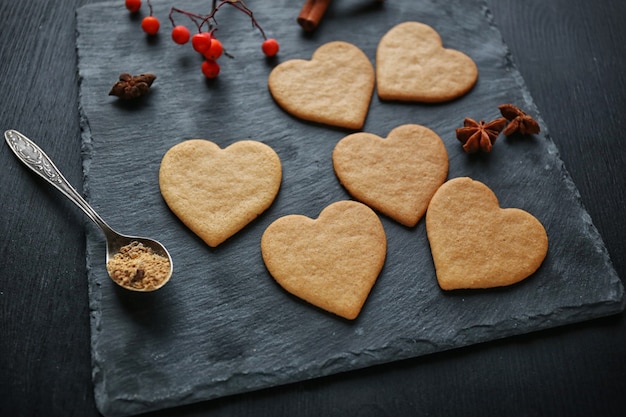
<point x="331" y="262"/>
<point x="413" y="65"/>
<point x="216" y="192"/>
<point x="335" y="87"/>
<point x="477" y="244"/>
<point x="396" y="176"/>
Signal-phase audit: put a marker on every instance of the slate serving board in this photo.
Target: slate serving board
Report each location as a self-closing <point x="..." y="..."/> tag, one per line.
<point x="222" y="325"/>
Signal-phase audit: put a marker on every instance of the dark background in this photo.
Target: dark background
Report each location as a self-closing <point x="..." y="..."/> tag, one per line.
<point x="571" y="55"/>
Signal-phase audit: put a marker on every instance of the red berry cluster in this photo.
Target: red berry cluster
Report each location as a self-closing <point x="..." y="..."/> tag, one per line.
<point x="204" y="42"/>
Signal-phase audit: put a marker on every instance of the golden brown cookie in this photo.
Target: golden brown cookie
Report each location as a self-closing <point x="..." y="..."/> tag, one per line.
<point x="413" y="65"/>
<point x="331" y="262"/>
<point x="396" y="175"/>
<point x="477" y="244"/>
<point x="216" y="192"/>
<point x="335" y="87"/>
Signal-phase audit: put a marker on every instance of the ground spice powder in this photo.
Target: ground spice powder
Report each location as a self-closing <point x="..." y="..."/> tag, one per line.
<point x="138" y="266"/>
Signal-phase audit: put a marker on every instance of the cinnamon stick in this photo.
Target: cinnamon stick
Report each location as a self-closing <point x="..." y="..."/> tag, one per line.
<point x="311" y="14"/>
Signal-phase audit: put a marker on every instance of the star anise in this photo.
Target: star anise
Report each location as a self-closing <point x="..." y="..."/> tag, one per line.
<point x="479" y="136"/>
<point x="132" y="86"/>
<point x="519" y="121"/>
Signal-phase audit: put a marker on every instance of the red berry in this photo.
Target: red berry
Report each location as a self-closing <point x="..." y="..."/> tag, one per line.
<point x="270" y="47"/>
<point x="215" y="50"/>
<point x="210" y="68"/>
<point x="180" y="34"/>
<point x="150" y="25"/>
<point x="133" y="5"/>
<point x="201" y="42"/>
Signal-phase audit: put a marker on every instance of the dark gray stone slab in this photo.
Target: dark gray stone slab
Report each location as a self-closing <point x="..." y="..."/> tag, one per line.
<point x="222" y="325"/>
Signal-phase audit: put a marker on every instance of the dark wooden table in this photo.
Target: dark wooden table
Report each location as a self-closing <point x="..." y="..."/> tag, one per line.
<point x="571" y="54"/>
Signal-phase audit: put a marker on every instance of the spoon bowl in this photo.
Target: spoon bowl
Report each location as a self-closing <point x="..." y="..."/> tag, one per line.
<point x="116" y="242"/>
<point x="152" y="251"/>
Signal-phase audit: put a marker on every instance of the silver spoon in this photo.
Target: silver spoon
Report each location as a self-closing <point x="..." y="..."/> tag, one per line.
<point x="35" y="159"/>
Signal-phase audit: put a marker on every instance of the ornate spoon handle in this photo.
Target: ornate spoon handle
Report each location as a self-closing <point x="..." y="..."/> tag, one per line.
<point x="34" y="158"/>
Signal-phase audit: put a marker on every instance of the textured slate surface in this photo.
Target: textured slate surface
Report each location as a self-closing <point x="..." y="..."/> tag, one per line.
<point x="222" y="325"/>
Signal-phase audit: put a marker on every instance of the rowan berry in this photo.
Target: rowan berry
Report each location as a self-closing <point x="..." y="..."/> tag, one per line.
<point x="150" y="25"/>
<point x="270" y="47"/>
<point x="215" y="50"/>
<point x="201" y="42"/>
<point x="210" y="68"/>
<point x="180" y="34"/>
<point x="133" y="5"/>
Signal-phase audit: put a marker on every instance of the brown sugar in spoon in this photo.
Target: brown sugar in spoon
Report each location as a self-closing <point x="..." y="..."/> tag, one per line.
<point x="134" y="263"/>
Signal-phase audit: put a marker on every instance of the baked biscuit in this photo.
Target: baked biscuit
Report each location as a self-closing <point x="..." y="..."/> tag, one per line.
<point x="413" y="65"/>
<point x="397" y="175"/>
<point x="477" y="244"/>
<point x="331" y="262"/>
<point x="335" y="87"/>
<point x="216" y="192"/>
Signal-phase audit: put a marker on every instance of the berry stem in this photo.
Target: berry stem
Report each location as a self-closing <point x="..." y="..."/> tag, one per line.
<point x="192" y="16"/>
<point x="240" y="5"/>
<point x="209" y="20"/>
